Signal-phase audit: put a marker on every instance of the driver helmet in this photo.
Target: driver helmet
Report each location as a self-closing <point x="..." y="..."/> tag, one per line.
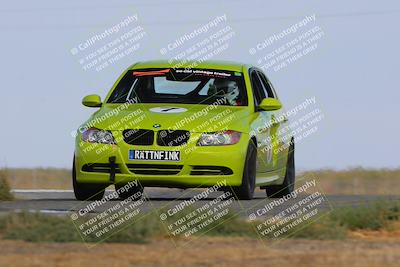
<point x="225" y="88"/>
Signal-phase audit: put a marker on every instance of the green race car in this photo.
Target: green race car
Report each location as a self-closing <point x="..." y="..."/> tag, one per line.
<point x="184" y="126"/>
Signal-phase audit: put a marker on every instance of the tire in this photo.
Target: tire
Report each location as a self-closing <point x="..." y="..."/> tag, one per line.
<point x="86" y="191"/>
<point x="278" y="191"/>
<point x="246" y="190"/>
<point x="130" y="192"/>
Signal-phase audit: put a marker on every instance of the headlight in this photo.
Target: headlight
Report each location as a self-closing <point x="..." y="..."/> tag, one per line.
<point x="94" y="135"/>
<point x="219" y="138"/>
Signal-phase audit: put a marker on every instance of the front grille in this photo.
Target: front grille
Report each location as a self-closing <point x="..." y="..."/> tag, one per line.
<point x="155" y="169"/>
<point x="172" y="137"/>
<point x="138" y="137"/>
<point x="210" y="170"/>
<point x="99" y="167"/>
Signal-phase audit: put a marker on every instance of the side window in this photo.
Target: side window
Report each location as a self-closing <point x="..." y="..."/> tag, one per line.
<point x="258" y="90"/>
<point x="273" y="89"/>
<point x="267" y="87"/>
<point x="122" y="90"/>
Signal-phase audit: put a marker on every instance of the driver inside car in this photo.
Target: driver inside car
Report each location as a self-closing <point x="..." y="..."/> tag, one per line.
<point x="226" y="89"/>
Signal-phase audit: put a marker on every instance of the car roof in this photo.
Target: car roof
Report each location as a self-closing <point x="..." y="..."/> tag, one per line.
<point x="209" y="64"/>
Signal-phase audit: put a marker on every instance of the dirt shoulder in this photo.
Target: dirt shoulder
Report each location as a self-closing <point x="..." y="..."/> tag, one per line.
<point x="368" y="250"/>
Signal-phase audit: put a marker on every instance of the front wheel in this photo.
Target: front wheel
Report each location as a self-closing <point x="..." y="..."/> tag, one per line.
<point x="246" y="190"/>
<point x="86" y="191"/>
<point x="278" y="191"/>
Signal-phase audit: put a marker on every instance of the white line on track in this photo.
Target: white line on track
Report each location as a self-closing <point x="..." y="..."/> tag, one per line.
<point x="40" y="191"/>
<point x="43" y="211"/>
<point x="45" y="191"/>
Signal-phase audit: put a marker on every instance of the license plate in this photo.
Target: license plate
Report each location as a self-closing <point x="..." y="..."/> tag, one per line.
<point x="163" y="155"/>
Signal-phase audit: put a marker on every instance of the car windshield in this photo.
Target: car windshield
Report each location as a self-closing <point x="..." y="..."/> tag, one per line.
<point x="186" y="86"/>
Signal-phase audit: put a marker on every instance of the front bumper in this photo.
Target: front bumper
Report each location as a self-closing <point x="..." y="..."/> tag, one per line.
<point x="198" y="166"/>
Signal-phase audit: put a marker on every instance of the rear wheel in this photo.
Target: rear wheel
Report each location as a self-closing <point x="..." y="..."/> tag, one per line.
<point x="277" y="191"/>
<point x="130" y="191"/>
<point x="86" y="191"/>
<point x="246" y="190"/>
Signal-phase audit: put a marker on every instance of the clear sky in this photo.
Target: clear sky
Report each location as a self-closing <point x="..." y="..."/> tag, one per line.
<point x="353" y="74"/>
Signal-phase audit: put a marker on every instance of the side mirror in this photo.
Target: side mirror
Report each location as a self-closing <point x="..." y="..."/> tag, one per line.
<point x="93" y="101"/>
<point x="270" y="104"/>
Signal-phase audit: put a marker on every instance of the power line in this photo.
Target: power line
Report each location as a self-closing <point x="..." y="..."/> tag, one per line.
<point x="235" y="20"/>
<point x="114" y="6"/>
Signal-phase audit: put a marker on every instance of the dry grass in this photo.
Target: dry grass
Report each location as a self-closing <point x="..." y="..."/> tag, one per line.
<point x="362" y="248"/>
<point x="36" y="227"/>
<point x="43" y="178"/>
<point x="206" y="251"/>
<point x="4" y="186"/>
<point x="356" y="181"/>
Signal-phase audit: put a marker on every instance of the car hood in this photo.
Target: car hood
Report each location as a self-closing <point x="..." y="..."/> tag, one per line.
<point x="195" y="118"/>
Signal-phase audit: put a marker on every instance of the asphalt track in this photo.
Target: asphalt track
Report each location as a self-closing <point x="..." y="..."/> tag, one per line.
<point x="63" y="201"/>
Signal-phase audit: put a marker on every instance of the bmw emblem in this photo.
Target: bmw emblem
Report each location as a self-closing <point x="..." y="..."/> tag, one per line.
<point x="156" y="125"/>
